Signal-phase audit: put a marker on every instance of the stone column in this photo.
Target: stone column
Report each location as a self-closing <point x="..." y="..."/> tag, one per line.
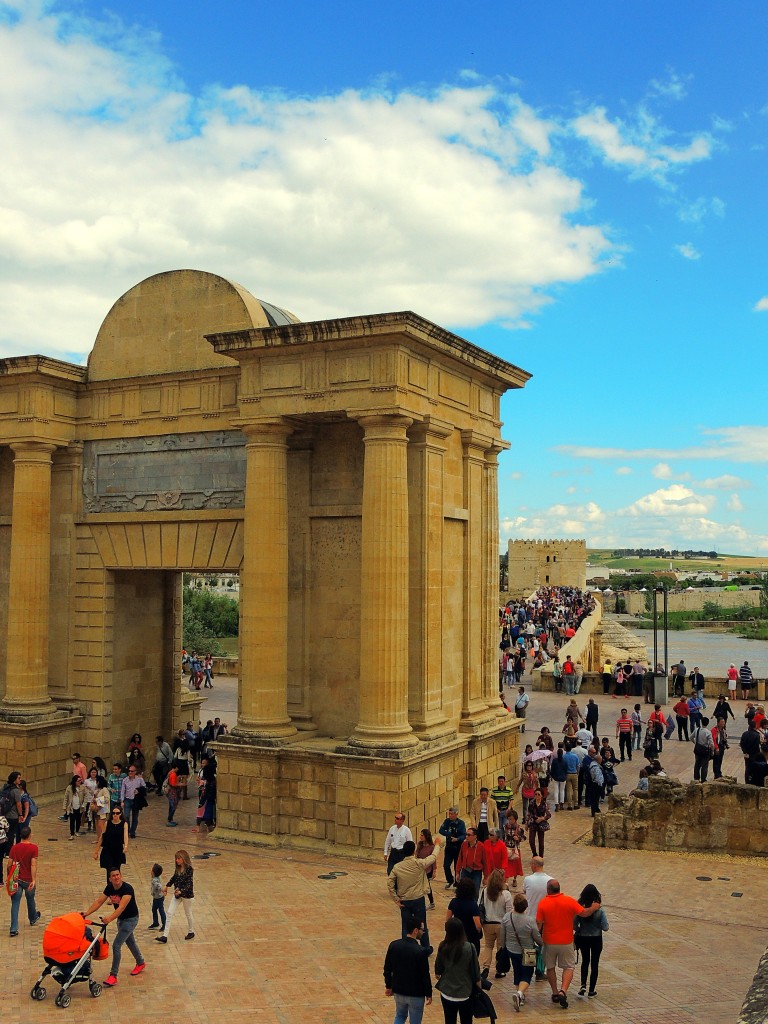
<point x="263" y="696"/>
<point x="29" y="581"/>
<point x="426" y="457"/>
<point x="491" y="527"/>
<point x="383" y="715"/>
<point x="474" y="702"/>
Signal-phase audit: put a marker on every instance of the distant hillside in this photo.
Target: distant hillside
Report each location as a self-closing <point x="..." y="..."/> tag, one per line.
<point x="723" y="563"/>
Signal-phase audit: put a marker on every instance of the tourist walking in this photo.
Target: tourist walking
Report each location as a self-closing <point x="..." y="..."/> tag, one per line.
<point x="555" y="917"/>
<point x="519" y="935"/>
<point x="527" y="786"/>
<point x="522" y="701"/>
<point x="12" y="800"/>
<point x="514" y="835"/>
<point x="120" y="895"/>
<point x="745" y="680"/>
<point x="484" y="814"/>
<point x="588" y="939"/>
<point x="398" y="835"/>
<point x="425" y="847"/>
<point x="133" y="797"/>
<point x="559" y="776"/>
<point x="465" y="907"/>
<point x="74" y="804"/>
<point x="458" y="973"/>
<point x="624" y="731"/>
<point x="732" y="676"/>
<point x="406" y="974"/>
<point x="473" y="861"/>
<point x="682" y="713"/>
<point x="25" y="854"/>
<point x="454" y="831"/>
<point x="112" y="844"/>
<point x="495" y="902"/>
<point x="157" y="895"/>
<point x="182" y="884"/>
<point x="720" y="736"/>
<point x="537" y="823"/>
<point x="100" y="805"/>
<point x="703" y="750"/>
<point x="408" y="885"/>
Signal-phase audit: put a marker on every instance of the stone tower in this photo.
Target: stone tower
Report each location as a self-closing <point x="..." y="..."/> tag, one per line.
<point x="534" y="563"/>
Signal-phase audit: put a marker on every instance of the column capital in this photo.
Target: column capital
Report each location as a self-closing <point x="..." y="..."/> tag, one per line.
<point x="274" y="429"/>
<point x="384" y="426"/>
<point x="474" y="439"/>
<point x="32" y="451"/>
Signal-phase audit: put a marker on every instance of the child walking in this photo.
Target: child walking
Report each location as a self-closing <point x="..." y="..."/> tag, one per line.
<point x="158" y="898"/>
<point x="183" y="891"/>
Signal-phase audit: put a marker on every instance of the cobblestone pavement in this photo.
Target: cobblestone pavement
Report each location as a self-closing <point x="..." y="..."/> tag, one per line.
<point x="276" y="943"/>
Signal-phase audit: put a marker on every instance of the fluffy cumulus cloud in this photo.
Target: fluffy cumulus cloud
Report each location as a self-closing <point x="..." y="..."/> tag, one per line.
<point x="674" y="500"/>
<point x="446" y="202"/>
<point x="761" y="306"/>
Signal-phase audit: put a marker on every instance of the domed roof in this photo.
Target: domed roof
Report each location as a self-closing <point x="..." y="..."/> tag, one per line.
<point x="159" y="325"/>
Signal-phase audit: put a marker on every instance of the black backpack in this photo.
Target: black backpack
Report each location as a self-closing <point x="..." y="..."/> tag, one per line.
<point x="7" y="803"/>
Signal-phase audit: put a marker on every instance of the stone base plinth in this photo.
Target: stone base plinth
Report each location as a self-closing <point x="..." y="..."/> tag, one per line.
<point x="41" y="750"/>
<point x="312" y="796"/>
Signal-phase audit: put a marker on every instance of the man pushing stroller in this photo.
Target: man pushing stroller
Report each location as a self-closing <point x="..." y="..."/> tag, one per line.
<point x="122" y="897"/>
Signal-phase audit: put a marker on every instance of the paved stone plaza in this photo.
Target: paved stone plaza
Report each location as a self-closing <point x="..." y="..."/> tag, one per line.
<point x="277" y="944"/>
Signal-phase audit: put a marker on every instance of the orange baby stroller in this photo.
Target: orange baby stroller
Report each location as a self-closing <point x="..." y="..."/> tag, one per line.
<point x="69" y="945"/>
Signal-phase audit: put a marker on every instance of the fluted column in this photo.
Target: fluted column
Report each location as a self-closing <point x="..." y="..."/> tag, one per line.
<point x="26" y="679"/>
<point x="263" y="696"/>
<point x="491" y="527"/>
<point x="474" y="703"/>
<point x="383" y="721"/>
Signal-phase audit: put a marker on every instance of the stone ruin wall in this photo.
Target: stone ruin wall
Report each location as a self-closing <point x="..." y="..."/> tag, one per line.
<point x="720" y="816"/>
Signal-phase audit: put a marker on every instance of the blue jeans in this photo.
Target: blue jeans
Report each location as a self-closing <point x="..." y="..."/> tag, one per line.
<point x="477" y="878"/>
<point x="408" y="1007"/>
<point x="158" y="911"/>
<point x="23" y="890"/>
<point x="131" y="815"/>
<point x="418" y="909"/>
<point x="125" y="930"/>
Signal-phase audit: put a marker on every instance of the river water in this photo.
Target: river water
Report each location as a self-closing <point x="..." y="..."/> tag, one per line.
<point x="712" y="651"/>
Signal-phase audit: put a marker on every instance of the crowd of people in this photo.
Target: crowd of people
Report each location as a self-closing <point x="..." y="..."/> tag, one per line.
<point x="107" y="806"/>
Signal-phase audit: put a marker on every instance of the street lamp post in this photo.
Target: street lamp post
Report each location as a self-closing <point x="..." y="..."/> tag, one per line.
<point x="665" y="627"/>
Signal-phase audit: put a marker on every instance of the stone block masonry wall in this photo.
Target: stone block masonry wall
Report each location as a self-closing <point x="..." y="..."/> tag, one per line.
<point x="42" y="752"/>
<point x="300" y="797"/>
<point x="719" y="815"/>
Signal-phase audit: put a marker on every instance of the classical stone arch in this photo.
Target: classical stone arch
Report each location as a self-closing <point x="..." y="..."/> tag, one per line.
<point x="346" y="468"/>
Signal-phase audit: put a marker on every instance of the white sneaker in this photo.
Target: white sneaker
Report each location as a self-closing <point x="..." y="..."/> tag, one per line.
<point x="516" y="1001"/>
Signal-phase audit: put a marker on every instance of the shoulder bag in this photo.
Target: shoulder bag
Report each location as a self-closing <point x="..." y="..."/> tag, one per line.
<point x="529" y="955"/>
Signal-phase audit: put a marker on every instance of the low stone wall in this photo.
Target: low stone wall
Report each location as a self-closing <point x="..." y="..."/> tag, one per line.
<point x="723" y="815"/>
<point x="755" y="1008"/>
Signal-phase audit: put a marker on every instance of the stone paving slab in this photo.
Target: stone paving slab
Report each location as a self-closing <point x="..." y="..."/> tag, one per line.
<point x="276" y="945"/>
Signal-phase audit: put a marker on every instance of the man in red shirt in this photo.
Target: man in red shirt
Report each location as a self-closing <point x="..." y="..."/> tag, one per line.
<point x="473" y="860"/>
<point x="25" y="854"/>
<point x="555" y="918"/>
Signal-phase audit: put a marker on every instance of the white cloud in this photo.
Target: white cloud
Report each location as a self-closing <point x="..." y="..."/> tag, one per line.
<point x="571" y="489"/>
<point x="674" y="500"/>
<point x="761" y="306"/>
<point x="624" y="470"/>
<point x="726" y="482"/>
<point x="442" y="201"/>
<point x="662" y="471"/>
<point x="688" y="251"/>
<point x="638" y="144"/>
<point x="693" y="212"/>
<point x="737" y="444"/>
<point x="735" y="504"/>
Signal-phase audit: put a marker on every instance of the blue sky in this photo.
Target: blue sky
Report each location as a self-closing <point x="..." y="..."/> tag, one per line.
<point x="578" y="188"/>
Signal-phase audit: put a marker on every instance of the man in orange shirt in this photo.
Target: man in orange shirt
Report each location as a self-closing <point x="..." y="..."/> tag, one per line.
<point x="555" y="918"/>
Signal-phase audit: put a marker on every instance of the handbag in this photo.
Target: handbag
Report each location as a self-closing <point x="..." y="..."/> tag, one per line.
<point x="483" y="911"/>
<point x="529" y="953"/>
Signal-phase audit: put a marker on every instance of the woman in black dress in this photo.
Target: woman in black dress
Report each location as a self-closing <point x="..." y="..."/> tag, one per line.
<point x="464" y="907"/>
<point x="112" y="844"/>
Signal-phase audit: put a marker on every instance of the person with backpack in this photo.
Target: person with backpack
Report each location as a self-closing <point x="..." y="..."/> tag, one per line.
<point x="12" y="807"/>
<point x="22" y="879"/>
<point x="703" y="750"/>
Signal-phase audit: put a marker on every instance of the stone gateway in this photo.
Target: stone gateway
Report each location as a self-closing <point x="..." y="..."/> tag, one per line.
<point x="347" y="469"/>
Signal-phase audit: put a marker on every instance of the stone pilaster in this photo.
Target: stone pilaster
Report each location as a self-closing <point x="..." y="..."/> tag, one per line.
<point x="383" y="716"/>
<point x="474" y="703"/>
<point x="263" y="696"/>
<point x="491" y="588"/>
<point x="299" y="575"/>
<point x="26" y="691"/>
<point x="426" y="459"/>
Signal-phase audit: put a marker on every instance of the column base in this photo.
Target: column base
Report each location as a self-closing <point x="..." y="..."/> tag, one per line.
<point x="377" y="744"/>
<point x="23" y="713"/>
<point x="479" y="719"/>
<point x="265" y="735"/>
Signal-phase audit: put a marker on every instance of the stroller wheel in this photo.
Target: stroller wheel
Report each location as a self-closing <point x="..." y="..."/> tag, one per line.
<point x="39" y="993"/>
<point x="63" y="999"/>
<point x="96" y="990"/>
